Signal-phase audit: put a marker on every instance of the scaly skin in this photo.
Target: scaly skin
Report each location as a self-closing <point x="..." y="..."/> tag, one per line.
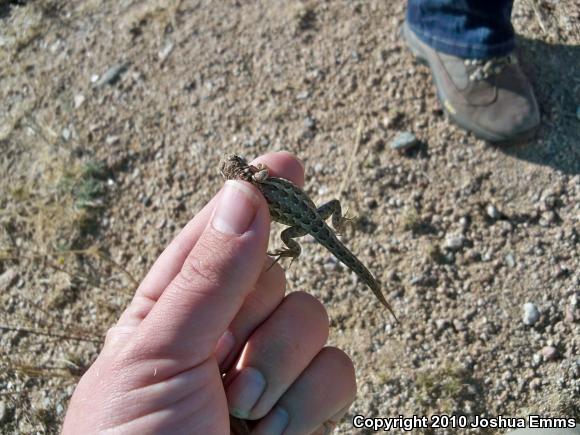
<point x="289" y="205"/>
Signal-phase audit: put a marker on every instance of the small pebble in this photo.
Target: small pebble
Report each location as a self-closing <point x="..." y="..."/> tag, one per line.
<point x="3" y="412"/>
<point x="303" y="95"/>
<point x="492" y="212"/>
<point x="507" y="375"/>
<point x="510" y="260"/>
<point x="454" y="242"/>
<point x="404" y="141"/>
<point x="164" y="54"/>
<point x="547" y="218"/>
<point x="549" y="353"/>
<point x="6" y="279"/>
<point x="161" y="224"/>
<point x="441" y="324"/>
<point x="569" y="316"/>
<point x="110" y="140"/>
<point x="310" y="123"/>
<point x="66" y="134"/>
<point x="111" y="75"/>
<point x="531" y="314"/>
<point x="459" y="325"/>
<point x="79" y="100"/>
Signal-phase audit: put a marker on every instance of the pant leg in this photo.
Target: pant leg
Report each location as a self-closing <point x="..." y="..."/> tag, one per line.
<point x="473" y="29"/>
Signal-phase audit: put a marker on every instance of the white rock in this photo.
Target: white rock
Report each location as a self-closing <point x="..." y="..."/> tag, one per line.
<point x="164" y="54"/>
<point x="531" y="314"/>
<point x="403" y="141"/>
<point x="510" y="260"/>
<point x="454" y="242"/>
<point x="110" y="140"/>
<point x="80" y="99"/>
<point x="7" y="278"/>
<point x="492" y="212"/>
<point x="459" y="325"/>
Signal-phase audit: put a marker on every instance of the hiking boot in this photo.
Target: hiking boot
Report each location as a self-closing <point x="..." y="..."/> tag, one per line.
<point x="491" y="98"/>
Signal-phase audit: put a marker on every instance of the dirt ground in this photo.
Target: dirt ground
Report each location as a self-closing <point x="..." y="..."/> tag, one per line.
<point x="114" y="116"/>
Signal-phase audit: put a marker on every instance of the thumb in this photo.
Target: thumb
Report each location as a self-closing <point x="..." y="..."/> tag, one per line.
<point x="220" y="271"/>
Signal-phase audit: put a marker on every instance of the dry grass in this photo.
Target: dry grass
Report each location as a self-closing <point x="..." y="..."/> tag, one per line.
<point x="49" y="219"/>
<point x="56" y="205"/>
<point x="440" y="389"/>
<point x="410" y="220"/>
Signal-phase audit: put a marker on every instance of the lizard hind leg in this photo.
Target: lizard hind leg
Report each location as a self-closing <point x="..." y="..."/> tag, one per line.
<point x="333" y="208"/>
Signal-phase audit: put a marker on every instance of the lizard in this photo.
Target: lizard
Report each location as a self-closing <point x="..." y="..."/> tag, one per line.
<point x="289" y="205"/>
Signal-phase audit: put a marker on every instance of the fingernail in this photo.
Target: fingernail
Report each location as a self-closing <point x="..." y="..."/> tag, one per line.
<point x="236" y="208"/>
<point x="275" y="422"/>
<point x="224" y="347"/>
<point x="245" y="391"/>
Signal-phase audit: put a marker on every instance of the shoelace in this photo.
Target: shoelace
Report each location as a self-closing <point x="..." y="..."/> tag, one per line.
<point x="484" y="68"/>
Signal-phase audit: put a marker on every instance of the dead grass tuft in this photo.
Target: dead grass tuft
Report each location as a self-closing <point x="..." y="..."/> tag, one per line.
<point x="410" y="220"/>
<point x="57" y="205"/>
<point x="441" y="388"/>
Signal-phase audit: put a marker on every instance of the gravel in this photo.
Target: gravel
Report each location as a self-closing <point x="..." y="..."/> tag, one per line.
<point x="112" y="75"/>
<point x="439" y="226"/>
<point x="492" y="211"/>
<point x="531" y="314"/>
<point x="549" y="353"/>
<point x="8" y="278"/>
<point x="454" y="242"/>
<point x="404" y="141"/>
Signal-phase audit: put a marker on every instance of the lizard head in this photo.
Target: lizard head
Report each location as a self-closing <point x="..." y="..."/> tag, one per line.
<point x="234" y="167"/>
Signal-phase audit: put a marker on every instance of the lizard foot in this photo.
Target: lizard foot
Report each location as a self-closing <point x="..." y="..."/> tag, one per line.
<point x="346" y="222"/>
<point x="281" y="253"/>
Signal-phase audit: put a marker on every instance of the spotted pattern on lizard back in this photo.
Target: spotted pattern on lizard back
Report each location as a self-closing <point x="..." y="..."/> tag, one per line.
<point x="289" y="205"/>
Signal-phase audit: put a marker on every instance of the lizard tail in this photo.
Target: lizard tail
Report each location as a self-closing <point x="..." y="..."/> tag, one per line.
<point x="360" y="269"/>
<point x="377" y="291"/>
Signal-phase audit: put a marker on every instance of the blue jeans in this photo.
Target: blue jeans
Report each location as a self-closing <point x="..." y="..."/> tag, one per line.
<point x="472" y="29"/>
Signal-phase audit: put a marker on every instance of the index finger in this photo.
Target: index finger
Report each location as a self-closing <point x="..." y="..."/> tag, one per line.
<point x="281" y="164"/>
<point x="284" y="165"/>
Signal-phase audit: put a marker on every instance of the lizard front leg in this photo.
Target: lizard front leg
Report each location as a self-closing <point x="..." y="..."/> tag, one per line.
<point x="293" y="248"/>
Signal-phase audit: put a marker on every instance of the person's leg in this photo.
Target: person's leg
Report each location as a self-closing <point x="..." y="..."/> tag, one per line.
<point x="469" y="44"/>
<point x="471" y="29"/>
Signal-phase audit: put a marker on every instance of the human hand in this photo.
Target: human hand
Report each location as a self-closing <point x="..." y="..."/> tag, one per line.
<point x="211" y="305"/>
